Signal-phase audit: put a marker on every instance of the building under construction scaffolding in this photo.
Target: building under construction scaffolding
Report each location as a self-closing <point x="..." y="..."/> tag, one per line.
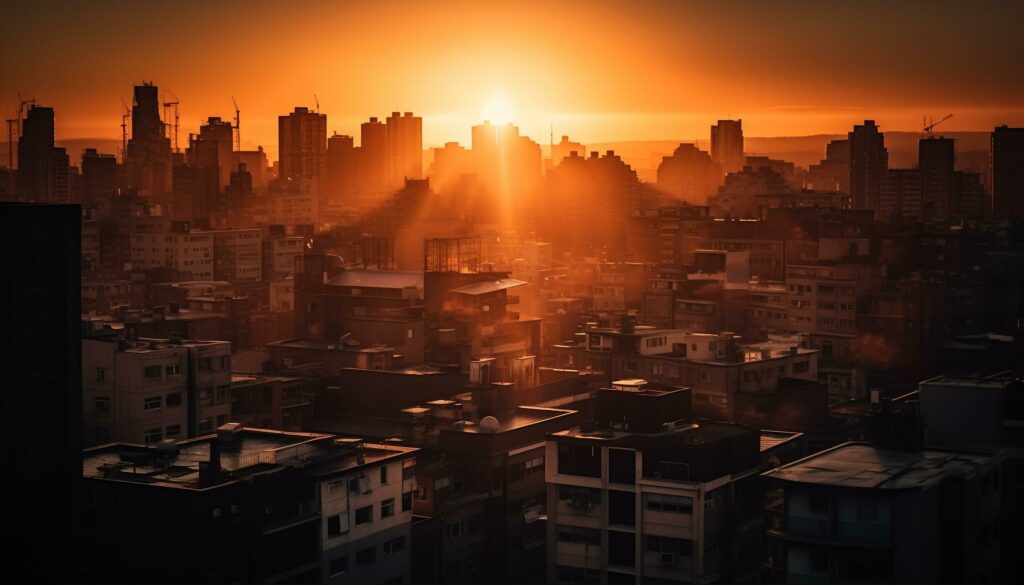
<point x="451" y="255"/>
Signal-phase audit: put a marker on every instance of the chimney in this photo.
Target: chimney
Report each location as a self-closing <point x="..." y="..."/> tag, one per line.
<point x="210" y="472"/>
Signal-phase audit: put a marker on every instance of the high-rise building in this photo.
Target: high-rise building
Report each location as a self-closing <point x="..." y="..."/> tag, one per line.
<point x="900" y="196"/>
<point x="727" y="145"/>
<point x="689" y="174"/>
<point x="149" y="152"/>
<point x="99" y="176"/>
<point x="868" y="161"/>
<point x="221" y="133"/>
<point x="404" y="148"/>
<point x="342" y="168"/>
<point x="302" y="142"/>
<point x="42" y="167"/>
<point x="936" y="159"/>
<point x="373" y="147"/>
<point x="832" y="174"/>
<point x="1008" y="173"/>
<point x="40" y="350"/>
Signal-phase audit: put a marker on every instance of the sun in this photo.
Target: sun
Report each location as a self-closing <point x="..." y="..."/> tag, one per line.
<point x="499" y="109"/>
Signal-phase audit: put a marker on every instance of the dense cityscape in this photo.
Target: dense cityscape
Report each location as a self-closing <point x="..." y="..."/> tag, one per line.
<point x="356" y="355"/>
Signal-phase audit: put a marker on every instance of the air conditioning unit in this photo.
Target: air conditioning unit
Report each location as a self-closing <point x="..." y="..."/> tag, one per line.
<point x="668" y="559"/>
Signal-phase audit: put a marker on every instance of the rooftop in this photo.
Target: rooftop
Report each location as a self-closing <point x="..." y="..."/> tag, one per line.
<point x="968" y="382"/>
<point x="482" y="288"/>
<point x="862" y="465"/>
<point x="522" y="416"/>
<point x="378" y="279"/>
<point x="258" y="450"/>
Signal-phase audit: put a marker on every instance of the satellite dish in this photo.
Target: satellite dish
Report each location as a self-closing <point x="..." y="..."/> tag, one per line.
<point x="489" y="424"/>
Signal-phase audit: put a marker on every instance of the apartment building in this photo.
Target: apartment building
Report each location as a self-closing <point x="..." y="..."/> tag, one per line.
<point x="237" y="254"/>
<point x="176" y="248"/>
<point x="861" y="513"/>
<point x="644" y="494"/>
<point x="147" y="390"/>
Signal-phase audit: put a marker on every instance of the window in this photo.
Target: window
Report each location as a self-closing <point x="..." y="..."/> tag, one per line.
<point x="364" y="515"/>
<point x="578" y="534"/>
<point x="101" y="374"/>
<point x="222" y="393"/>
<point x="801" y="367"/>
<point x="407" y="501"/>
<point x="154" y="436"/>
<point x="818" y="502"/>
<point x="102" y="404"/>
<point x="383" y="474"/>
<point x="667" y="503"/>
<point x="454" y="529"/>
<point x="394" y="546"/>
<point x="172" y="400"/>
<point x="578" y="576"/>
<point x="387" y="508"/>
<point x="366" y="556"/>
<point x="222" y="420"/>
<point x="408" y="470"/>
<point x="152" y="372"/>
<point x="337" y="525"/>
<point x="666" y="545"/>
<point x="205" y="425"/>
<point x="152" y="403"/>
<point x="173" y="370"/>
<point x="442" y="483"/>
<point x="173" y="431"/>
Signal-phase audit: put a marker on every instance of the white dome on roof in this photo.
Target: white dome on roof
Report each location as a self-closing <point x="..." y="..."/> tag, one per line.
<point x="489" y="424"/>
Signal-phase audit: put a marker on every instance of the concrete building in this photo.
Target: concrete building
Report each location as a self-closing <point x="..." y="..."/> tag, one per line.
<point x="1008" y="173"/>
<point x="237" y="254"/>
<point x="273" y="402"/>
<point x="689" y="175"/>
<point x="281" y="253"/>
<point x="42" y="167"/>
<point x="99" y="177"/>
<point x="868" y="161"/>
<point x="901" y="198"/>
<point x="147" y="390"/>
<point x="645" y="494"/>
<point x="727" y="145"/>
<point x="176" y="247"/>
<point x="148" y="159"/>
<point x="404" y="148"/>
<point x="868" y="514"/>
<point x="936" y="159"/>
<point x="302" y="144"/>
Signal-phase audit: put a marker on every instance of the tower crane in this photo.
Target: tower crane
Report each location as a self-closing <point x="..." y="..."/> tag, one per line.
<point x="238" y="126"/>
<point x="929" y="127"/>
<point x="172" y="104"/>
<point x="124" y="130"/>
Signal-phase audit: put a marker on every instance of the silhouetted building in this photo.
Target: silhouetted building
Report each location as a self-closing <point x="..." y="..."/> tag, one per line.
<point x="900" y="197"/>
<point x="99" y="176"/>
<point x="832" y="174"/>
<point x="936" y="159"/>
<point x="43" y="172"/>
<point x="404" y="148"/>
<point x="868" y="161"/>
<point x="148" y="159"/>
<point x="220" y="132"/>
<point x="689" y="175"/>
<point x="727" y="145"/>
<point x="373" y="148"/>
<point x="343" y="170"/>
<point x="302" y="144"/>
<point x="1008" y="173"/>
<point x="563" y="149"/>
<point x="40" y="349"/>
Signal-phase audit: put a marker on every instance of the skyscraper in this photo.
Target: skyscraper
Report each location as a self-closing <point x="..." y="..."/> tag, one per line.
<point x="1008" y="173"/>
<point x="42" y="167"/>
<point x="404" y="148"/>
<point x="99" y="176"/>
<point x="727" y="145"/>
<point x="373" y="147"/>
<point x="302" y="140"/>
<point x="868" y="161"/>
<point x="936" y="159"/>
<point x="342" y="168"/>
<point x="221" y="133"/>
<point x="149" y="151"/>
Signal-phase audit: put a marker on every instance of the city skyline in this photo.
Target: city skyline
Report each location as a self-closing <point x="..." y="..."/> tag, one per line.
<point x="456" y="72"/>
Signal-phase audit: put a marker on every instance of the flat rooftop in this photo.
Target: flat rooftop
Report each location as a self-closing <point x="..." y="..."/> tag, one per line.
<point x="968" y="382"/>
<point x="521" y="417"/>
<point x="378" y="279"/>
<point x="258" y="450"/>
<point x="865" y="466"/>
<point x="482" y="288"/>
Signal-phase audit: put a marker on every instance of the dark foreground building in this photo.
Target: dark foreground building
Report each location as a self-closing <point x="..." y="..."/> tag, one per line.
<point x="42" y="393"/>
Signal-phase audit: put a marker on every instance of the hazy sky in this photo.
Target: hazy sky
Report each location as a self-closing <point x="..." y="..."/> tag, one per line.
<point x="597" y="70"/>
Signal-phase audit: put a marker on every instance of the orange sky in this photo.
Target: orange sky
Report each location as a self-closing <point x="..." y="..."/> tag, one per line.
<point x="598" y="71"/>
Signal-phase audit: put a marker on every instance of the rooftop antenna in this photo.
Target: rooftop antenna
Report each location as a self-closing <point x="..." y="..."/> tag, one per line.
<point x="172" y="104"/>
<point x="238" y="126"/>
<point x="928" y="128"/>
<point x="124" y="131"/>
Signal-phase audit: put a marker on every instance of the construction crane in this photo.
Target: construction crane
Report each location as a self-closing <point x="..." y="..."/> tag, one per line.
<point x="14" y="127"/>
<point x="168" y="105"/>
<point x="929" y="127"/>
<point x="237" y="126"/>
<point x="124" y="130"/>
<point x="317" y="102"/>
